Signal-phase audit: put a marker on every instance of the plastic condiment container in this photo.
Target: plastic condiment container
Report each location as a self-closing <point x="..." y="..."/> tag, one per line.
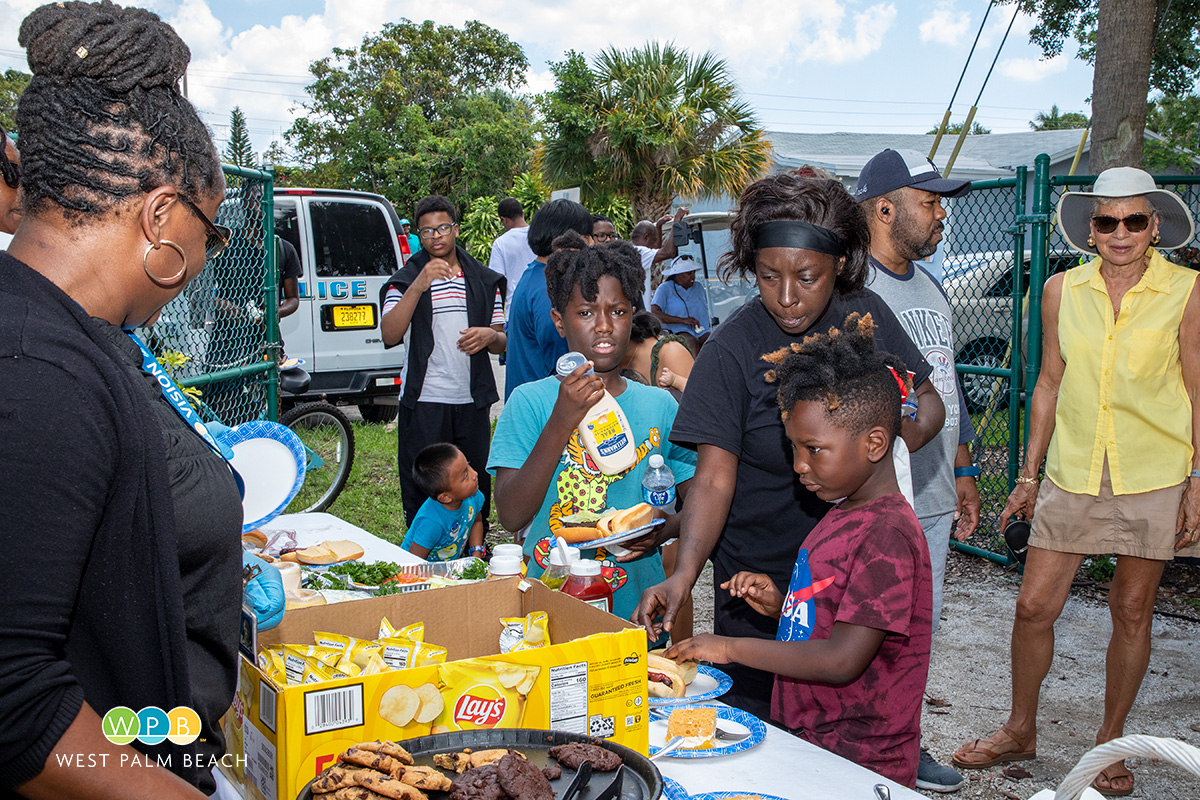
<point x="604" y="432"/>
<point x="558" y="571"/>
<point x="504" y="567"/>
<point x="585" y="583"/>
<point x="290" y="572"/>
<point x="508" y="551"/>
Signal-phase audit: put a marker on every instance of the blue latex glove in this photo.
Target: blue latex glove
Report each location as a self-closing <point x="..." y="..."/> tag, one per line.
<point x="265" y="593"/>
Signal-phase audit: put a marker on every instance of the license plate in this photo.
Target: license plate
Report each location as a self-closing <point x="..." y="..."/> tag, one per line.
<point x="353" y="316"/>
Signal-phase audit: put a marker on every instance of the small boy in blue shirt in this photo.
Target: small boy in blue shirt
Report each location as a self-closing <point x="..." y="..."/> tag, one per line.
<point x="449" y="519"/>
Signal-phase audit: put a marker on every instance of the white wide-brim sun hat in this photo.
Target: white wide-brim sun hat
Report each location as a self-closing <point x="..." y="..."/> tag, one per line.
<point x="1175" y="224"/>
<point x="679" y="266"/>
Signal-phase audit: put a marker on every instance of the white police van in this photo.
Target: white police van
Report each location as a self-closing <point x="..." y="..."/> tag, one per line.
<point x="349" y="244"/>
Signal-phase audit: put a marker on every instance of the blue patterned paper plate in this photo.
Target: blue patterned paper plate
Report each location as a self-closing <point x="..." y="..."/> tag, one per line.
<point x="710" y="683"/>
<point x="735" y="721"/>
<point x="673" y="791"/>
<point x="270" y="459"/>
<point x="728" y="795"/>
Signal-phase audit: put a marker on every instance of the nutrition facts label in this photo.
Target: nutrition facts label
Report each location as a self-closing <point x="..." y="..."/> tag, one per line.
<point x="569" y="698"/>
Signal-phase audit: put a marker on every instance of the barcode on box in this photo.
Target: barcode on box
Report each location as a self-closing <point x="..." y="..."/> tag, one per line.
<point x="266" y="705"/>
<point x="333" y="709"/>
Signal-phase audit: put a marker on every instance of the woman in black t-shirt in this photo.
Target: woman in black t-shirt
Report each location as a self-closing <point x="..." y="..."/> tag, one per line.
<point x="805" y="242"/>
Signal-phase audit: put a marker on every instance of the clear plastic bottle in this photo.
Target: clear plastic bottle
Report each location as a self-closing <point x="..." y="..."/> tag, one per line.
<point x="504" y="567"/>
<point x="558" y="571"/>
<point x="604" y="431"/>
<point x="587" y="584"/>
<point x="658" y="485"/>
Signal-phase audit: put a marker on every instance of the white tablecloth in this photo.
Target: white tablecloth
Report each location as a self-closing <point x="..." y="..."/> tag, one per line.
<point x="314" y="528"/>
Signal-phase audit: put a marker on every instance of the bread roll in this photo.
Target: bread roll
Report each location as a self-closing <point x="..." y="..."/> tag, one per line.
<point x="255" y="538"/>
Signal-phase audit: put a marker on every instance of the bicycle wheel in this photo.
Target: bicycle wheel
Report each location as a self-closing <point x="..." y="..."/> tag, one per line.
<point x="327" y="434"/>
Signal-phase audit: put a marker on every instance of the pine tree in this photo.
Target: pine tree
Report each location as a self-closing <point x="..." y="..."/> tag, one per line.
<point x="238" y="150"/>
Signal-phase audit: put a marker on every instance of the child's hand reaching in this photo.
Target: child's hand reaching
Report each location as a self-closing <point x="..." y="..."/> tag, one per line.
<point x="758" y="590"/>
<point x="705" y="647"/>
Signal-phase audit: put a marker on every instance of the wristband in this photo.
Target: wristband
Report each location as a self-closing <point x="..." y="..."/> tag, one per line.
<point x="967" y="472"/>
<point x="1194" y="473"/>
<point x="1023" y="479"/>
<point x="478" y="548"/>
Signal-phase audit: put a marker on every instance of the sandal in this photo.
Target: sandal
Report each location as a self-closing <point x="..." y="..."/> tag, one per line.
<point x="983" y="753"/>
<point x="1110" y="773"/>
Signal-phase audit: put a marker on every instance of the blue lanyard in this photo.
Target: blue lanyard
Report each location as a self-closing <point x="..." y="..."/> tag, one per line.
<point x="178" y="400"/>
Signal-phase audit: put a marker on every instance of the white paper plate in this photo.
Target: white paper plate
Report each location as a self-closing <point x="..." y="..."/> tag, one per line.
<point x="607" y="541"/>
<point x="731" y="719"/>
<point x="271" y="460"/>
<point x="709" y="684"/>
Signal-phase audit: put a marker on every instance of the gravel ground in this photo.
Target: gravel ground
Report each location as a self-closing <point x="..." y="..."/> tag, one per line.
<point x="968" y="691"/>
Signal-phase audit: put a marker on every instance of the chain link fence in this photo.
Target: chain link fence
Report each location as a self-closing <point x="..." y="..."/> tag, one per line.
<point x="220" y="336"/>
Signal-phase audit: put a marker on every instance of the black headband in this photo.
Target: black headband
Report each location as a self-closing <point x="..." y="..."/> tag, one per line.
<point x="800" y="235"/>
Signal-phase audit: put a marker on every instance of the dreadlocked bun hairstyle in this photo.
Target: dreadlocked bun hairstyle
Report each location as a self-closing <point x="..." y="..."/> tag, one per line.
<point x="103" y="120"/>
<point x="575" y="264"/>
<point x="844" y="371"/>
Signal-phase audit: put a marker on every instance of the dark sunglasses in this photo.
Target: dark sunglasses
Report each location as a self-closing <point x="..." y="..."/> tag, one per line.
<point x="1134" y="223"/>
<point x="11" y="173"/>
<point x="218" y="235"/>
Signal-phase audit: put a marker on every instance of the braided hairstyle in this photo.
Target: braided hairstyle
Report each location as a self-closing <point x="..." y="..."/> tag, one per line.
<point x="103" y="121"/>
<point x="845" y="371"/>
<point x="575" y="264"/>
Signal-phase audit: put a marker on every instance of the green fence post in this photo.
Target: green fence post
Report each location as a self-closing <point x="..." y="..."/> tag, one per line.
<point x="1039" y="255"/>
<point x="1016" y="358"/>
<point x="271" y="286"/>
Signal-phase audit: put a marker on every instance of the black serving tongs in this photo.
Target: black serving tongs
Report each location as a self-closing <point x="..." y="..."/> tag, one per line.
<point x="579" y="781"/>
<point x="613" y="792"/>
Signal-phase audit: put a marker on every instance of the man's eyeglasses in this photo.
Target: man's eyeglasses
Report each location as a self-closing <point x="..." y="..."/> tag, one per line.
<point x="604" y="237"/>
<point x="441" y="230"/>
<point x="1134" y="223"/>
<point x="218" y="235"/>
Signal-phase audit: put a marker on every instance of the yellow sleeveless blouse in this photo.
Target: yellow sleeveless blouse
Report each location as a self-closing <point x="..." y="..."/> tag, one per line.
<point x="1122" y="393"/>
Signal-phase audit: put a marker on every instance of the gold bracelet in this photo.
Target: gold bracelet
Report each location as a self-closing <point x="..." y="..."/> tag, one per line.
<point x="1023" y="479"/>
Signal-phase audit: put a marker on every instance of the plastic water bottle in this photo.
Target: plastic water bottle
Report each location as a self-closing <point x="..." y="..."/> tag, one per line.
<point x="658" y="485"/>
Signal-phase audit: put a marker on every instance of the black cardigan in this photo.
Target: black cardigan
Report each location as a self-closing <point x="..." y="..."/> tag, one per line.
<point x="482" y="285"/>
<point x="91" y="607"/>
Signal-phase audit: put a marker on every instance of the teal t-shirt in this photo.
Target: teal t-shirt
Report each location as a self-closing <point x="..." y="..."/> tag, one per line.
<point x="579" y="486"/>
<point x="441" y="530"/>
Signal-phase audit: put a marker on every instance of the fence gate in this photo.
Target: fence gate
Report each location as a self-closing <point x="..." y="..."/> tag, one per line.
<point x="220" y="336"/>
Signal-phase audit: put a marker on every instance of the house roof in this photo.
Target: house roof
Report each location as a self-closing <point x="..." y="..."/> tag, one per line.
<point x="987" y="156"/>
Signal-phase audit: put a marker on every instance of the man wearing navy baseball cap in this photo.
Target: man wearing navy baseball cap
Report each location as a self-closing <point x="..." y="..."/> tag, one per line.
<point x="900" y="192"/>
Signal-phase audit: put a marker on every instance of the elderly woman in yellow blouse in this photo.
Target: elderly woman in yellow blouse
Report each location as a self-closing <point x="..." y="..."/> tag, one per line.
<point x="1114" y="414"/>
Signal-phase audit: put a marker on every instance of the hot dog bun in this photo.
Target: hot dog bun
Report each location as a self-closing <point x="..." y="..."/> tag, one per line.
<point x="581" y="534"/>
<point x="664" y="678"/>
<point x="686" y="668"/>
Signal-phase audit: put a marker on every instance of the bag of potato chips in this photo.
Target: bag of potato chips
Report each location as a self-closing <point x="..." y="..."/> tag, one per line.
<point x="482" y="693"/>
<point x="401" y="652"/>
<point x="415" y="631"/>
<point x="525" y="633"/>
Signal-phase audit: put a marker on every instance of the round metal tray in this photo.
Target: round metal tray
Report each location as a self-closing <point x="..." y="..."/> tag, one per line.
<point x="642" y="780"/>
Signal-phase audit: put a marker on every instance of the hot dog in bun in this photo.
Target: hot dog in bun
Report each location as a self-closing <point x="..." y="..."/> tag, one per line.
<point x="664" y="678"/>
<point x="586" y="526"/>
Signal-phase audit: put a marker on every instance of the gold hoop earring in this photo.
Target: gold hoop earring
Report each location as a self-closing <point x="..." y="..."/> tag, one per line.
<point x="173" y="281"/>
<point x="1155" y="239"/>
<point x="1091" y="242"/>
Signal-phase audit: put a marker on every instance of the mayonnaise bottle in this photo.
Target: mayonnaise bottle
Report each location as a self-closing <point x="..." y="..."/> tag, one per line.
<point x="604" y="432"/>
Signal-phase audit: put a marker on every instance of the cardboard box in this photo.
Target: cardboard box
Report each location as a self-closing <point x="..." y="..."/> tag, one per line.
<point x="592" y="679"/>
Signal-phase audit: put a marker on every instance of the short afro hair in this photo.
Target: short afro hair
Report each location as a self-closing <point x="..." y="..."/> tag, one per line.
<point x="844" y="371"/>
<point x="818" y="201"/>
<point x="431" y="468"/>
<point x="510" y="208"/>
<point x="554" y="219"/>
<point x="432" y="205"/>
<point x="575" y="264"/>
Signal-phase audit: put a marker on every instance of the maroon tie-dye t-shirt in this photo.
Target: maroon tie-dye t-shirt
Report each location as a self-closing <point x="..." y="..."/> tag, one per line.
<point x="868" y="566"/>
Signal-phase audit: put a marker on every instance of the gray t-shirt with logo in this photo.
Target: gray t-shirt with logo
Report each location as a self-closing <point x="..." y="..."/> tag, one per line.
<point x="920" y="304"/>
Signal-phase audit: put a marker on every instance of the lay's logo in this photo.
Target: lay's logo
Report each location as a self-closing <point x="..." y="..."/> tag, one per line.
<point x="479" y="707"/>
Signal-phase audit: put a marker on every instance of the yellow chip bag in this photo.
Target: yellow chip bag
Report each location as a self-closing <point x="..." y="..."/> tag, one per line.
<point x="482" y="693"/>
<point x="296" y="655"/>
<point x="316" y="671"/>
<point x="415" y="631"/>
<point x="401" y="653"/>
<point x="373" y="663"/>
<point x="271" y="663"/>
<point x="525" y="633"/>
<point x="359" y="654"/>
<point x="339" y="640"/>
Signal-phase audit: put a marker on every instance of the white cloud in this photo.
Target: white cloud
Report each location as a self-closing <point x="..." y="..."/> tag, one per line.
<point x="870" y="26"/>
<point x="946" y="25"/>
<point x="1033" y="69"/>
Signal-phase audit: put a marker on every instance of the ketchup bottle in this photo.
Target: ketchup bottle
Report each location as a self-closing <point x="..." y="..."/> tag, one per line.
<point x="586" y="584"/>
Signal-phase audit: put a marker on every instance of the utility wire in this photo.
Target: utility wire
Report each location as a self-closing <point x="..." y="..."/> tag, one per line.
<point x="946" y="118"/>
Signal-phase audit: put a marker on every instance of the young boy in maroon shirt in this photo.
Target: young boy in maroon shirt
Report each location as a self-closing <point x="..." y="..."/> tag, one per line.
<point x="852" y="652"/>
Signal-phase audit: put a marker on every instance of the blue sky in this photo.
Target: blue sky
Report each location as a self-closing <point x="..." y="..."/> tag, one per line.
<point x="804" y="65"/>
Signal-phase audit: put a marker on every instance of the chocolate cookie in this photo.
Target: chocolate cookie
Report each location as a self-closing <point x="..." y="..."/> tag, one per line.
<point x="573" y="754"/>
<point x="522" y="780"/>
<point x="552" y="772"/>
<point x="479" y="783"/>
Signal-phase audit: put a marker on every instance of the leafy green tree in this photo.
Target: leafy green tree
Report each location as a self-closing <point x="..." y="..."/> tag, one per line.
<point x="1177" y="120"/>
<point x="12" y="84"/>
<point x="955" y="128"/>
<point x="238" y="150"/>
<point x="479" y="227"/>
<point x="1135" y="46"/>
<point x="649" y="124"/>
<point x="416" y="109"/>
<point x="530" y="190"/>
<point x="1057" y="121"/>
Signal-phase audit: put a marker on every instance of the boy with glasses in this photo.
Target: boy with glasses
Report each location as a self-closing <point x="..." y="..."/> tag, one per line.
<point x="449" y="309"/>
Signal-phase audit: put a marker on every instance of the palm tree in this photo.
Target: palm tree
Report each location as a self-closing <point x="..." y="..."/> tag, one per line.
<point x="1057" y="121"/>
<point x="650" y="124"/>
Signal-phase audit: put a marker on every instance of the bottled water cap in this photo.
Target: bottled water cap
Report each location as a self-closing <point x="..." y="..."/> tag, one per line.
<point x="656" y="461"/>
